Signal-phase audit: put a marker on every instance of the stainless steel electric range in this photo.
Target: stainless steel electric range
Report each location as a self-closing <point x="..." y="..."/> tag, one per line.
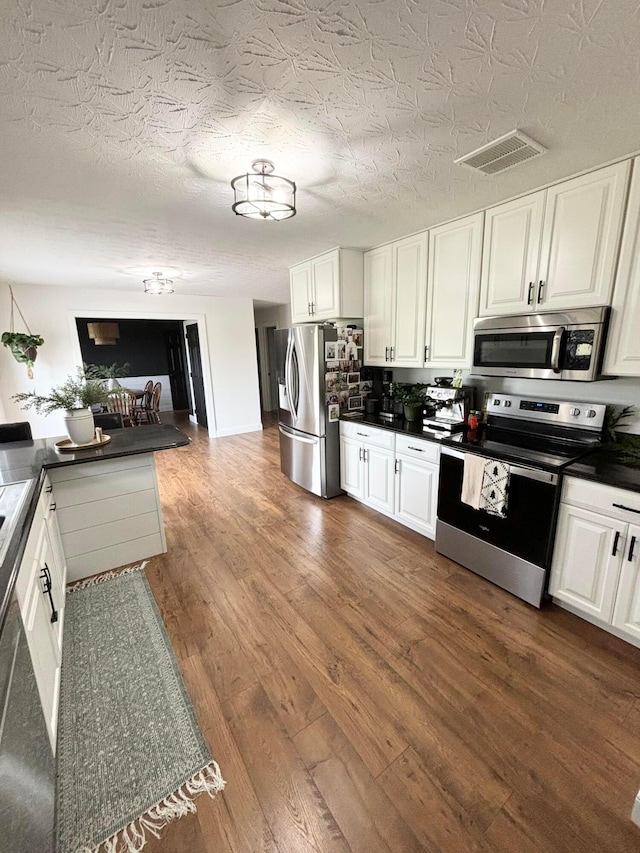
<point x="536" y="439"/>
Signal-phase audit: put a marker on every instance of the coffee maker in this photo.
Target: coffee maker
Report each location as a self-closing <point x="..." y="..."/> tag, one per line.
<point x="449" y="410"/>
<point x="388" y="404"/>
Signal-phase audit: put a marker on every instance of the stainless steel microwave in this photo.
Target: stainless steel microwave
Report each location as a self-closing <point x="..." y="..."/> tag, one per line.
<point x="555" y="345"/>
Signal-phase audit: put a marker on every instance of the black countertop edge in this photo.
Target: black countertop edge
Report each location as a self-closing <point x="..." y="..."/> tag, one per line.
<point x="398" y="424"/>
<point x="30" y="460"/>
<point x="604" y="466"/>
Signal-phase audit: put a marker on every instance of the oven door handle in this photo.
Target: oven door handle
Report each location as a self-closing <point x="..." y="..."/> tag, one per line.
<point x="555" y="348"/>
<point x="514" y="470"/>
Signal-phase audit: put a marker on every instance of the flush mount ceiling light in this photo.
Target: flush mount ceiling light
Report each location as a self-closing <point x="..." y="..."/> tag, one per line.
<point x="158" y="284"/>
<point x="103" y="334"/>
<point x="262" y="195"/>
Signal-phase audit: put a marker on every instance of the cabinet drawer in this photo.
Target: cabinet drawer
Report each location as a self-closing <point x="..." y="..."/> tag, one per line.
<point x="601" y="498"/>
<point x="78" y="492"/>
<point x="418" y="448"/>
<point x="369" y="435"/>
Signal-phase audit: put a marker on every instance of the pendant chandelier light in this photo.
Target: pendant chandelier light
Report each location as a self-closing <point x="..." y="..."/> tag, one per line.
<point x="262" y="195"/>
<point x="158" y="284"/>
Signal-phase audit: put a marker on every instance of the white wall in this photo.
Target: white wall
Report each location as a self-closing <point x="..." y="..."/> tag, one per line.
<point x="226" y="334"/>
<point x="623" y="391"/>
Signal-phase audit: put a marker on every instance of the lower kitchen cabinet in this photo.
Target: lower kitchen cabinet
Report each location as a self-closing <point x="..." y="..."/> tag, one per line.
<point x="391" y="472"/>
<point x="367" y="465"/>
<point x="596" y="562"/>
<point x="40" y="589"/>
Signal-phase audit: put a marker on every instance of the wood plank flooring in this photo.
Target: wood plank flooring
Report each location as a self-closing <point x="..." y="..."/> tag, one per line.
<point x="362" y="693"/>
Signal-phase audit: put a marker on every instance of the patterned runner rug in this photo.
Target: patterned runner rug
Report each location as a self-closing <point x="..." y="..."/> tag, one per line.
<point x="131" y="756"/>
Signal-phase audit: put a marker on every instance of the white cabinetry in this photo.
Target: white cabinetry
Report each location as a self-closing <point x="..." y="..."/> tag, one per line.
<point x="394" y="473"/>
<point x="596" y="562"/>
<point x="327" y="287"/>
<point x="109" y="513"/>
<point x="366" y="464"/>
<point x="395" y="303"/>
<point x="40" y="590"/>
<point x="417" y="467"/>
<point x="556" y="249"/>
<point x="453" y="286"/>
<point x="622" y="357"/>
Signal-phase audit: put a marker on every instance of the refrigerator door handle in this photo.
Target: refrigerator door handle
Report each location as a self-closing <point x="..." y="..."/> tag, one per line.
<point x="290" y="381"/>
<point x="293" y="435"/>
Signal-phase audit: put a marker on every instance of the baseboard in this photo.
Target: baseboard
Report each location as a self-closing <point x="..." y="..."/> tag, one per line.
<point x="610" y="629"/>
<point x="239" y="430"/>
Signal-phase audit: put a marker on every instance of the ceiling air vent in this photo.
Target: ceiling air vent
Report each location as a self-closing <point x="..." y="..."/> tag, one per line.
<point x="503" y="153"/>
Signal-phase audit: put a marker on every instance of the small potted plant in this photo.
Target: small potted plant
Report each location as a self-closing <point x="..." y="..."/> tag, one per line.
<point x="23" y="346"/>
<point x="412" y="399"/>
<point x="74" y="397"/>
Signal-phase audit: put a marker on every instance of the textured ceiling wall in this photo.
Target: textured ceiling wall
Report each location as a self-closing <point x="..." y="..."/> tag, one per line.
<point x="123" y="122"/>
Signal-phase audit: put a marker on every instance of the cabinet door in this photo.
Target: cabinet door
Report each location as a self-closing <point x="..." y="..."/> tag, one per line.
<point x="511" y="251"/>
<point x="587" y="558"/>
<point x="300" y="282"/>
<point x="626" y="613"/>
<point x="351" y="467"/>
<point x="582" y="223"/>
<point x="410" y="280"/>
<point x="622" y="357"/>
<point x="378" y="478"/>
<point x="325" y="277"/>
<point x="416" y="494"/>
<point x="453" y="286"/>
<point x="378" y="305"/>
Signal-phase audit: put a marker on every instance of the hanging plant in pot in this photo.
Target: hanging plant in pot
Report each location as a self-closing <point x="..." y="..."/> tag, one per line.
<point x="23" y="345"/>
<point x="74" y="397"/>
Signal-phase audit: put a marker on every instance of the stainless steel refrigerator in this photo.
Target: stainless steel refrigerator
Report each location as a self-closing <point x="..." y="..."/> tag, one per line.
<point x="309" y="443"/>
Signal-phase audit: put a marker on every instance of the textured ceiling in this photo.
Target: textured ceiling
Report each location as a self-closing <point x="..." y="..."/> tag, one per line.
<point x="124" y="120"/>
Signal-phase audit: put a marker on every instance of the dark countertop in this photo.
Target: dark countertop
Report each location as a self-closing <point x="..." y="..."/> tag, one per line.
<point x="30" y="460"/>
<point x="398" y="424"/>
<point x="606" y="466"/>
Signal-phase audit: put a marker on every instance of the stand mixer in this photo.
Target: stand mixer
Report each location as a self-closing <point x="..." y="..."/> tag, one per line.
<point x="450" y="407"/>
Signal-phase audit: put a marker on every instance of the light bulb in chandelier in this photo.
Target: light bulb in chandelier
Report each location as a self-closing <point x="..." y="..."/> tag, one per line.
<point x="158" y="284"/>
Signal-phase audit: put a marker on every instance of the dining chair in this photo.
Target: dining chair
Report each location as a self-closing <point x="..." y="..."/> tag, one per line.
<point x="20" y="431"/>
<point x="144" y="402"/>
<point x="123" y="401"/>
<point x="151" y="413"/>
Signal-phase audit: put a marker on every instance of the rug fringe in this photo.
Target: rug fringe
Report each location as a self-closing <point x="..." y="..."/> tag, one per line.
<point x="105" y="576"/>
<point x="133" y="837"/>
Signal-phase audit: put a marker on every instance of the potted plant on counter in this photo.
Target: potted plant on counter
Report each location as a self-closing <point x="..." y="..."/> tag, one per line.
<point x="412" y="399"/>
<point x="74" y="397"/>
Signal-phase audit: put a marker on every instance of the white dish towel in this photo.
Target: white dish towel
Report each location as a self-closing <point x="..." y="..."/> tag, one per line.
<point x="472" y="479"/>
<point x="485" y="484"/>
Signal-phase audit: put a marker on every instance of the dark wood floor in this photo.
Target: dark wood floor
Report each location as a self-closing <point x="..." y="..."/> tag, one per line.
<point x="362" y="693"/>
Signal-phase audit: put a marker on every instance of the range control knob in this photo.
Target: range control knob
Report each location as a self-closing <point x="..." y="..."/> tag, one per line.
<point x="496" y="402"/>
<point x="591" y="413"/>
<point x="507" y="403"/>
<point x="574" y="412"/>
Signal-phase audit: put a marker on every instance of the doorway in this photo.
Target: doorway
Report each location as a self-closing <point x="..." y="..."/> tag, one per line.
<point x="272" y="383"/>
<point x="197" y="379"/>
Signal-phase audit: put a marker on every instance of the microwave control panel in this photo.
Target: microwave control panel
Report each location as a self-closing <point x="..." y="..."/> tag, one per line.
<point x="578" y="349"/>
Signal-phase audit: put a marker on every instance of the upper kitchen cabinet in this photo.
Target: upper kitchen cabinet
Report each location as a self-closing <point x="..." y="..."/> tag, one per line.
<point x="395" y="303"/>
<point x="556" y="249"/>
<point x="453" y="286"/>
<point x="622" y="356"/>
<point x="328" y="287"/>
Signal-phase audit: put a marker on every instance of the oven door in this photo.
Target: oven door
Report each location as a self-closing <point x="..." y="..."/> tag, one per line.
<point x="528" y="527"/>
<point x="532" y="353"/>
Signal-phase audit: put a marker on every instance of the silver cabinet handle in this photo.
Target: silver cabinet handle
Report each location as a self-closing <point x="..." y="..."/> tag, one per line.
<point x="49" y="489"/>
<point x="313" y="308"/>
<point x="52" y="506"/>
<point x="530" y="295"/>
<point x="392" y="351"/>
<point x="419" y="449"/>
<point x="555" y="349"/>
<point x="45" y="575"/>
<point x="360" y="455"/>
<point x="540" y="286"/>
<point x="426" y="353"/>
<point x="397" y="466"/>
<point x="363" y="434"/>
